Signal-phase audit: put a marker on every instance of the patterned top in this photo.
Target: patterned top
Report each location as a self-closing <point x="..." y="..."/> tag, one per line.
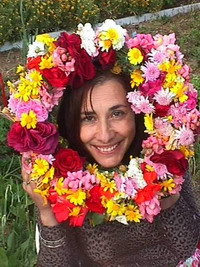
<point x="172" y="237"/>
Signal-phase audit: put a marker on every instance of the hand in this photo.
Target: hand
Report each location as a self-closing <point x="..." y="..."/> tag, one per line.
<point x="166" y="203"/>
<point x="46" y="214"/>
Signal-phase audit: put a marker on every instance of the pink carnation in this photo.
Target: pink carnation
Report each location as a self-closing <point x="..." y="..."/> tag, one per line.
<point x="145" y="41"/>
<point x="150" y="208"/>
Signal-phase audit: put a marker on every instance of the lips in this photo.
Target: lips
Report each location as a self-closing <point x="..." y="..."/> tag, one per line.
<point x="106" y="149"/>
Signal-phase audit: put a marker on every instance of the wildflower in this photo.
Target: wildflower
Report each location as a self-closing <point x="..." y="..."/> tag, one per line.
<point x="28" y="120"/>
<point x="40" y="166"/>
<point x="168" y="185"/>
<point x="111" y="34"/>
<point x="114" y="209"/>
<point x="136" y="78"/>
<point x="36" y="78"/>
<point x="46" y="63"/>
<point x="20" y="69"/>
<point x="76" y="197"/>
<point x="36" y="49"/>
<point x="164" y="97"/>
<point x="135" y="56"/>
<point x="133" y="214"/>
<point x="92" y="168"/>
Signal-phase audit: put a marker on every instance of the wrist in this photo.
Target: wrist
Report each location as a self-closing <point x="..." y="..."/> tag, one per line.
<point x="47" y="217"/>
<point x="168" y="202"/>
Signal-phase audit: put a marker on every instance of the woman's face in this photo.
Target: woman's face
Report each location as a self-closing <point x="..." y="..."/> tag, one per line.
<point x="108" y="126"/>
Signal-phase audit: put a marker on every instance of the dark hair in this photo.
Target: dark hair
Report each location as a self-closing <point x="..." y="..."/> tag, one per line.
<point x="68" y="118"/>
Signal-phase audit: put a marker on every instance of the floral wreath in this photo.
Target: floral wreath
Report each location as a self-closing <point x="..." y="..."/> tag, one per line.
<point x="161" y="91"/>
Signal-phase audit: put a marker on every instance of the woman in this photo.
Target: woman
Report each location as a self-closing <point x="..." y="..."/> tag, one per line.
<point x="106" y="131"/>
<point x="142" y="216"/>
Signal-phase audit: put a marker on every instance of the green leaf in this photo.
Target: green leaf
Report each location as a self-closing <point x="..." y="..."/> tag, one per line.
<point x="3" y="258"/>
<point x="96" y="218"/>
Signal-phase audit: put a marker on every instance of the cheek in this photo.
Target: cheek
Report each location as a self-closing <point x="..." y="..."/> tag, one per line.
<point x="85" y="134"/>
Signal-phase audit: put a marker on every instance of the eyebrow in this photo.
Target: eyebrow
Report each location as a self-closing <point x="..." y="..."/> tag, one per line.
<point x="110" y="109"/>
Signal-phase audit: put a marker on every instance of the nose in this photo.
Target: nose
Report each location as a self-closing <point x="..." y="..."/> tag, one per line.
<point x="105" y="132"/>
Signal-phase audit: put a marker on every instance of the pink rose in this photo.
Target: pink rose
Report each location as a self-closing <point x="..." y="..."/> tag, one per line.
<point x="41" y="140"/>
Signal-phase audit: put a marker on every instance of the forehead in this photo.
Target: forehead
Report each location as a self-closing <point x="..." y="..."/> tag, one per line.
<point x="105" y="95"/>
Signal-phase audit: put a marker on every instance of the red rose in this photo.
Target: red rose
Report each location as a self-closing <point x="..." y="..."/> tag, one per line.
<point x="55" y="77"/>
<point x="84" y="69"/>
<point x="173" y="159"/>
<point x="67" y="160"/>
<point x="107" y="59"/>
<point x="161" y="111"/>
<point x="94" y="201"/>
<point x="41" y="140"/>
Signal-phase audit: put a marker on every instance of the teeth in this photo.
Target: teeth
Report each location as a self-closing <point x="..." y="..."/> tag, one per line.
<point x="107" y="149"/>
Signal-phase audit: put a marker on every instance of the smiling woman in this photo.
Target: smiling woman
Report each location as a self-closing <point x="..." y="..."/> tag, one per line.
<point x="129" y="118"/>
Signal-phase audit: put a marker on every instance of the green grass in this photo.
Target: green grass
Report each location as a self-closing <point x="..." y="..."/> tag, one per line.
<point x="17" y="226"/>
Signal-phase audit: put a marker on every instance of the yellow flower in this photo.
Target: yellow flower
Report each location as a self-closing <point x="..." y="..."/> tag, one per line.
<point x="24" y="90"/>
<point x="168" y="185"/>
<point x="148" y="122"/>
<point x="45" y="38"/>
<point x="40" y="166"/>
<point x="48" y="175"/>
<point x="179" y="89"/>
<point x="136" y="78"/>
<point x="76" y="197"/>
<point x="36" y="78"/>
<point x="187" y="152"/>
<point x="133" y="214"/>
<point x="106" y="183"/>
<point x="114" y="209"/>
<point x="109" y="37"/>
<point x="11" y="87"/>
<point x="75" y="211"/>
<point x="20" y="69"/>
<point x="92" y="168"/>
<point x="28" y="120"/>
<point x="135" y="56"/>
<point x="46" y="63"/>
<point x="59" y="187"/>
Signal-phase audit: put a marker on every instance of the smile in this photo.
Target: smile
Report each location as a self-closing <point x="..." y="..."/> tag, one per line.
<point x="107" y="149"/>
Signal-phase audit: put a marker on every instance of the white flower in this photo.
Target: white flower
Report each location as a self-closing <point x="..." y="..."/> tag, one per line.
<point x="135" y="172"/>
<point x="36" y="49"/>
<point x="121" y="219"/>
<point x="111" y="34"/>
<point x="87" y="35"/>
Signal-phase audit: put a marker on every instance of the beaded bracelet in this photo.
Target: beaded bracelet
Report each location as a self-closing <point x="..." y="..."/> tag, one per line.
<point x="52" y="243"/>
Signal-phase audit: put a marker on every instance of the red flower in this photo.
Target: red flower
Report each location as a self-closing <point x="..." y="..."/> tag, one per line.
<point x="147" y="193"/>
<point x="149" y="177"/>
<point x="107" y="59"/>
<point x="84" y="69"/>
<point x="67" y="160"/>
<point x="55" y="77"/>
<point x="173" y="159"/>
<point x="41" y="140"/>
<point x="78" y="220"/>
<point x="33" y="63"/>
<point x="62" y="210"/>
<point x="161" y="111"/>
<point x="94" y="201"/>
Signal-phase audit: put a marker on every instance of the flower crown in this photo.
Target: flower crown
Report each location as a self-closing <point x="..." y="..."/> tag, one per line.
<point x="161" y="90"/>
